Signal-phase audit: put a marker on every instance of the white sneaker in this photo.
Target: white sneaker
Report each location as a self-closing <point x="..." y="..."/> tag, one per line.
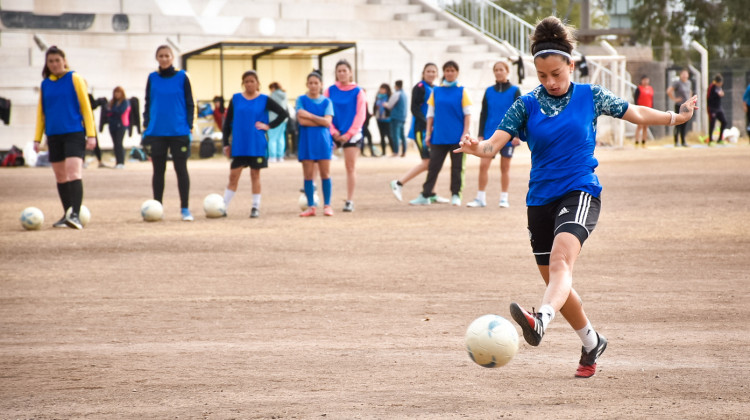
<point x="455" y="200"/>
<point x="396" y="190"/>
<point x="476" y="203"/>
<point x="119" y="166"/>
<point x="504" y="204"/>
<point x="438" y="199"/>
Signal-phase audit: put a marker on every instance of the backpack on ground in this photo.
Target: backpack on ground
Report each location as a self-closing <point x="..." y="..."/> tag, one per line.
<point x="14" y="157"/>
<point x="207" y="148"/>
<point x="137" y="153"/>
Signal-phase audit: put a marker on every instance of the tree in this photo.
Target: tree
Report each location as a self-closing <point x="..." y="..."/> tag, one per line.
<point x="722" y="26"/>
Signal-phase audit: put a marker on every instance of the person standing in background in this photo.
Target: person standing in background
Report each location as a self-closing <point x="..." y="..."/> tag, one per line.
<point x="497" y="100"/>
<point x="219" y="113"/>
<point x="382" y="116"/>
<point x="397" y="105"/>
<point x="643" y="96"/>
<point x="118" y="119"/>
<point x="64" y="115"/>
<point x="746" y="107"/>
<point x="349" y="104"/>
<point x="715" y="111"/>
<point x="679" y="92"/>
<point x="168" y="113"/>
<point x="277" y="134"/>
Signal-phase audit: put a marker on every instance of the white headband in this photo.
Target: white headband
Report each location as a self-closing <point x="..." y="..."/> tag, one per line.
<point x="562" y="53"/>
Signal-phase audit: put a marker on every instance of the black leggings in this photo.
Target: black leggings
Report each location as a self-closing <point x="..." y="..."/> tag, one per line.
<point x="384" y="127"/>
<point x="679" y="130"/>
<point x="712" y="118"/>
<point x="438" y="152"/>
<point x="118" y="134"/>
<point x="183" y="178"/>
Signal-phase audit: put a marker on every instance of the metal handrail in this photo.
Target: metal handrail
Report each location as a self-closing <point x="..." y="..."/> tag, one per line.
<point x="492" y="21"/>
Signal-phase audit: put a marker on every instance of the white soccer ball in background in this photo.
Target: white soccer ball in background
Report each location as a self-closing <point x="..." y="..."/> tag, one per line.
<point x="84" y="215"/>
<point x="151" y="210"/>
<point x="303" y="201"/>
<point x="214" y="206"/>
<point x="491" y="341"/>
<point x="32" y="218"/>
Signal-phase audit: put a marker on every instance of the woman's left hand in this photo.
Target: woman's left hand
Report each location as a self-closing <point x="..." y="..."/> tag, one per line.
<point x="687" y="108"/>
<point x="90" y="143"/>
<point x="261" y="126"/>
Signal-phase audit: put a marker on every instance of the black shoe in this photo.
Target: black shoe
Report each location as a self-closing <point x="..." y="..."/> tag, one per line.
<point x="530" y="322"/>
<point x="254" y="213"/>
<point x="60" y="223"/>
<point x="587" y="364"/>
<point x="73" y="222"/>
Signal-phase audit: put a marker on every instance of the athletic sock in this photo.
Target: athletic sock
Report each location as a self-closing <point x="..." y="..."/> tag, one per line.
<point x="256" y="201"/>
<point x="548" y="314"/>
<point x="76" y="195"/>
<point x="588" y="337"/>
<point x="64" y="192"/>
<point x="327" y="186"/>
<point x="481" y="196"/>
<point x="310" y="193"/>
<point x="503" y="196"/>
<point x="228" y="196"/>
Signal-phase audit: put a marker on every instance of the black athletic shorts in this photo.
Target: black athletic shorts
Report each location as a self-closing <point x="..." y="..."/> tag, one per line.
<point x="576" y="212"/>
<point x="424" y="150"/>
<point x="353" y="142"/>
<point x="177" y="146"/>
<point x="254" y="162"/>
<point x="66" y="145"/>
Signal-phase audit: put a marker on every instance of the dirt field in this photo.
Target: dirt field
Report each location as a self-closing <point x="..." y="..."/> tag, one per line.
<point x="363" y="315"/>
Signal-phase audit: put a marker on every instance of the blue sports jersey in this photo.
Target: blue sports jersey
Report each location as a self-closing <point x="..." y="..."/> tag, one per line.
<point x="167" y="109"/>
<point x="498" y="104"/>
<point x="344" y="107"/>
<point x="448" y="123"/>
<point x="315" y="143"/>
<point x="246" y="139"/>
<point x="62" y="111"/>
<point x="562" y="148"/>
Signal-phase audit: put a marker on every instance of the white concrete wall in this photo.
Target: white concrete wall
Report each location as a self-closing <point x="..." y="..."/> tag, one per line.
<point x="394" y="39"/>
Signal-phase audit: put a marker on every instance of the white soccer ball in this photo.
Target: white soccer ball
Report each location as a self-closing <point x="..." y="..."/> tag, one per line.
<point x="303" y="201"/>
<point x="84" y="215"/>
<point x="491" y="341"/>
<point x="151" y="210"/>
<point x="214" y="206"/>
<point x="32" y="218"/>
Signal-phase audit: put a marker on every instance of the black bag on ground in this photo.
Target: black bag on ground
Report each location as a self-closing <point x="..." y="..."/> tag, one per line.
<point x="207" y="148"/>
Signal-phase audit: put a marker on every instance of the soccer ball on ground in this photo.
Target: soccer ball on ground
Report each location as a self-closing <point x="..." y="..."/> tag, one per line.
<point x="303" y="201"/>
<point x="491" y="341"/>
<point x="84" y="215"/>
<point x="32" y="218"/>
<point x="151" y="210"/>
<point x="214" y="206"/>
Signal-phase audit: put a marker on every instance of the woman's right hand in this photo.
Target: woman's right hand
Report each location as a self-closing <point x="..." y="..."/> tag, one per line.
<point x="36" y="147"/>
<point x="468" y="145"/>
<point x="227" y="151"/>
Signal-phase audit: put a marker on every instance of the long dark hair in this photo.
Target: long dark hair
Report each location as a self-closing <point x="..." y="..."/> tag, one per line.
<point x="46" y="72"/>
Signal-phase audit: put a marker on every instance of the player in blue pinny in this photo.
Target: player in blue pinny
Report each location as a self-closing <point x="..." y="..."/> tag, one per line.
<point x="314" y="115"/>
<point x="247" y="123"/>
<point x="558" y="121"/>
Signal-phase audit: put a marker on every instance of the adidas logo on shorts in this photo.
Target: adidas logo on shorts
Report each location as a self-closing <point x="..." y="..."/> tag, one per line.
<point x="563" y="211"/>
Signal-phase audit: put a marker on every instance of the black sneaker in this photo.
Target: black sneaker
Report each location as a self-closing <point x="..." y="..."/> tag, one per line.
<point x="587" y="364"/>
<point x="530" y="322"/>
<point x="73" y="222"/>
<point x="60" y="223"/>
<point x="254" y="213"/>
